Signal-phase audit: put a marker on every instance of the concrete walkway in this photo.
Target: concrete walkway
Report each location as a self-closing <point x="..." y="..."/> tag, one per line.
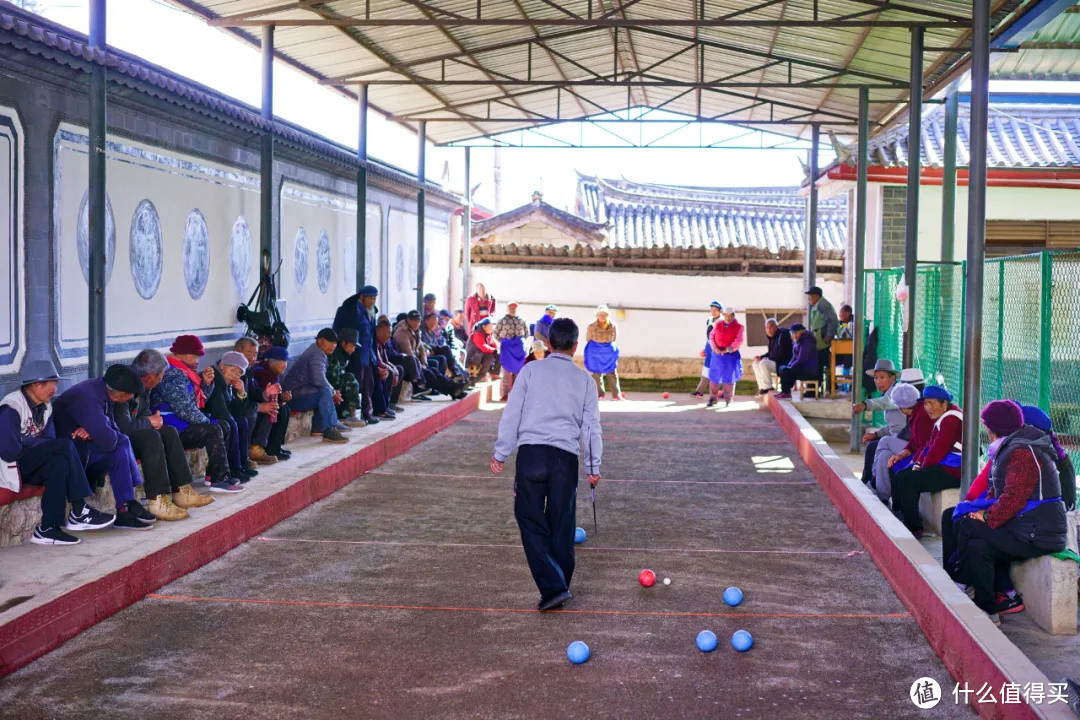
<point x="48" y="594"/>
<point x="406" y="595"/>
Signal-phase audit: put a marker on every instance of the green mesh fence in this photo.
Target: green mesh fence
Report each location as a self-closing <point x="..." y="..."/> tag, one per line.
<point x="1030" y="341"/>
<point x="939" y="325"/>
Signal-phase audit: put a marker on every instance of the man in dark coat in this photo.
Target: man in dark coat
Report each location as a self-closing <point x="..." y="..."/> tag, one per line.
<point x="359" y="312"/>
<point x="85" y="412"/>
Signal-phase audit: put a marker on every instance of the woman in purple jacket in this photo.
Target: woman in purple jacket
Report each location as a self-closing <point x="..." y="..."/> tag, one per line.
<point x="803" y="365"/>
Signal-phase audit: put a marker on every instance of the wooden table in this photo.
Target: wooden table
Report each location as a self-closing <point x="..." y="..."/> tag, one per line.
<point x="840" y="347"/>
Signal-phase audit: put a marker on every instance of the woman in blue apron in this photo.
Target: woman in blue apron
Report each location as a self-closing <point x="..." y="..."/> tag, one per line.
<point x="511" y="333"/>
<point x="602" y="353"/>
<point x="725" y="369"/>
<point x="714" y="307"/>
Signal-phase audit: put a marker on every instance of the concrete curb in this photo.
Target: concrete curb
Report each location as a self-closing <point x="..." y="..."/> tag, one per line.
<point x="30" y="636"/>
<point x="974" y="651"/>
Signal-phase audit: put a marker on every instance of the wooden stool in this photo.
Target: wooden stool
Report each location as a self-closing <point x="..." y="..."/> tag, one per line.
<point x="805" y="385"/>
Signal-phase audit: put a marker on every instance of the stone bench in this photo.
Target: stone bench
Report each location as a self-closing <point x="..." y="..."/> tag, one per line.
<point x="21" y="513"/>
<point x="932" y="505"/>
<point x="1049" y="587"/>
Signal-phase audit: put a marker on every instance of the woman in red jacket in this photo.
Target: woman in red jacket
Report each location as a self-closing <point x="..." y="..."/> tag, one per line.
<point x="482" y="352"/>
<point x="478" y="306"/>
<point x="1020" y="514"/>
<point x="937" y="465"/>
<point x="725" y="368"/>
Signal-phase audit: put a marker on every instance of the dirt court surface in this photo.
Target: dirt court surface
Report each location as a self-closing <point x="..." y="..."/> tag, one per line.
<point x="406" y="595"/>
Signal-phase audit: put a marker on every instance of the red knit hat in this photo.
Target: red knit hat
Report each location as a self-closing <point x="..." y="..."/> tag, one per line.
<point x="1003" y="417"/>
<point x="187" y="345"/>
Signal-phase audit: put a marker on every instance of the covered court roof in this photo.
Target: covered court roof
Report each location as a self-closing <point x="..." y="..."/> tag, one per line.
<point x="475" y="68"/>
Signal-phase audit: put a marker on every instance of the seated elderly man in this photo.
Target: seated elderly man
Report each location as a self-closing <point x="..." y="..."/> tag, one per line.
<point x="766" y="366"/>
<point x="453" y="342"/>
<point x="157" y="445"/>
<point x="431" y="335"/>
<point x="876" y="439"/>
<point x="937" y="466"/>
<point x="180" y="397"/>
<point x="407" y="339"/>
<point x="225" y="405"/>
<point x="85" y="412"/>
<point x="33" y="455"/>
<point x="803" y="364"/>
<point x="310" y="389"/>
<point x="343" y="381"/>
<point x="389" y="373"/>
<point x="268" y="427"/>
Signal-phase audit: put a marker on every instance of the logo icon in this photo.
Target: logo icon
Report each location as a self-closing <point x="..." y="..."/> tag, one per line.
<point x="925" y="693"/>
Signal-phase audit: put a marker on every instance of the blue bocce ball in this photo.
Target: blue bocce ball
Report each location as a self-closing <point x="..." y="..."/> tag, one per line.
<point x="579" y="535"/>
<point x="577" y="652"/>
<point x="733" y="596"/>
<point x="742" y="640"/>
<point x="706" y="641"/>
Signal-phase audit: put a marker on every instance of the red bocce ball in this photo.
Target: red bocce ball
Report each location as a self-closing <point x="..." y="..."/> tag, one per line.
<point x="647" y="578"/>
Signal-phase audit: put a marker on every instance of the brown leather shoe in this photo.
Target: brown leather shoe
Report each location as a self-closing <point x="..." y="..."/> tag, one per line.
<point x="162" y="507"/>
<point x="186" y="497"/>
<point x="260" y="456"/>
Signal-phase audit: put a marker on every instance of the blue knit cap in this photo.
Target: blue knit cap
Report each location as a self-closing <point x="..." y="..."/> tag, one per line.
<point x="936" y="392"/>
<point x="277" y="353"/>
<point x="1036" y="417"/>
<point x="369" y="291"/>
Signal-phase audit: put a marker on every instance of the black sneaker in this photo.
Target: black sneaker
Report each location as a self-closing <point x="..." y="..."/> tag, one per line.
<point x="245" y="473"/>
<point x="282" y="454"/>
<point x="142" y="514"/>
<point x="53" y="536"/>
<point x="371" y="420"/>
<point x="127" y="521"/>
<point x="388" y="415"/>
<point x="555" y="602"/>
<point x="711" y="403"/>
<point x="421" y="398"/>
<point x="242" y="479"/>
<point x="1006" y="604"/>
<point x="331" y="435"/>
<point x="397" y="408"/>
<point x="88" y="519"/>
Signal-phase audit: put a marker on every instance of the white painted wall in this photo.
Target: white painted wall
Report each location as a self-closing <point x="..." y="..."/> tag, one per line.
<point x="12" y="251"/>
<point x="1002" y="203"/>
<point x="182" y="189"/>
<point x="659" y="314"/>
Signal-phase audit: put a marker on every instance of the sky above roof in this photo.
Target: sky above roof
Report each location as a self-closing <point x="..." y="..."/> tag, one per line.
<point x="183" y="43"/>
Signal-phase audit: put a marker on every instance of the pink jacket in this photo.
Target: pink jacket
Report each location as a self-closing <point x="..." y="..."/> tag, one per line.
<point x="477" y="309"/>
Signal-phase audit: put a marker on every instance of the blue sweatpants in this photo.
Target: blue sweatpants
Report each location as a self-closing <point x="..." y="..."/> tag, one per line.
<point x="119" y="464"/>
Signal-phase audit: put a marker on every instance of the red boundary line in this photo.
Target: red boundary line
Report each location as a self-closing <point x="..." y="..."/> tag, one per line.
<point x="964" y="656"/>
<point x="35" y="633"/>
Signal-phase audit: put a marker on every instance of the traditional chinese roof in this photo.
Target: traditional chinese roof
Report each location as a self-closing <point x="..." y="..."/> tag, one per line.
<point x="576" y="227"/>
<point x="651" y="215"/>
<point x="1036" y="135"/>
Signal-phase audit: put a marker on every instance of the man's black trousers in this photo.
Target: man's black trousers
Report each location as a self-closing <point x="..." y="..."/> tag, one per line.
<point x="545" y="505"/>
<point x="164" y="461"/>
<point x="56" y="465"/>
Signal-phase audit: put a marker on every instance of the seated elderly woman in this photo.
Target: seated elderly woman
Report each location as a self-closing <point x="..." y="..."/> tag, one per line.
<point x="1017" y="514"/>
<point x="937" y="466"/>
<point x="482" y="353"/>
<point x="180" y="397"/>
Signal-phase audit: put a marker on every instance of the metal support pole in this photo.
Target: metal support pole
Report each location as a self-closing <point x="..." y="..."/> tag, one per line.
<point x="911" y="207"/>
<point x="1046" y="313"/>
<point x="466" y="229"/>
<point x="361" y="192"/>
<point x="976" y="239"/>
<point x="810" y="253"/>
<point x="96" y="201"/>
<point x="421" y="178"/>
<point x="266" y="164"/>
<point x="948" y="178"/>
<point x="863" y="159"/>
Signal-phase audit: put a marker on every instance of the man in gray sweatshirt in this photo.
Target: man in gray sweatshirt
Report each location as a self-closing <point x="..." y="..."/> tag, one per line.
<point x="551" y="413"/>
